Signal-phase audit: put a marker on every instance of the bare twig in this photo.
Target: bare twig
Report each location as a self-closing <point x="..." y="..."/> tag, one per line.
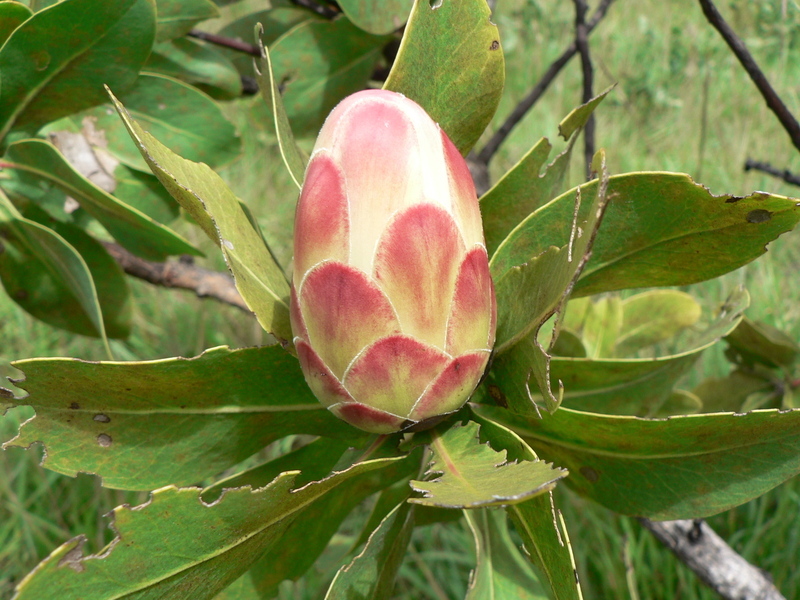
<point x="225" y="42"/>
<point x="582" y="44"/>
<point x="713" y="561"/>
<point x="772" y="99"/>
<point x="182" y="274"/>
<point x="785" y="174"/>
<point x="485" y="155"/>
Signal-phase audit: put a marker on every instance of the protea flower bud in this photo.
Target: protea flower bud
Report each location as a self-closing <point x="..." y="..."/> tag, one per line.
<point x="393" y="308"/>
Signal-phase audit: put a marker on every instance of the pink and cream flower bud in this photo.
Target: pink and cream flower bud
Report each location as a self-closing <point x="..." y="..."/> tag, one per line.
<point x="393" y="308"/>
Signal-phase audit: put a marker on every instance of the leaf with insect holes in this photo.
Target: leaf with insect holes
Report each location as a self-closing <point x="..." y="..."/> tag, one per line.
<point x="176" y="546"/>
<point x="471" y="474"/>
<point x="655" y="227"/>
<point x="314" y="525"/>
<point x="141" y="425"/>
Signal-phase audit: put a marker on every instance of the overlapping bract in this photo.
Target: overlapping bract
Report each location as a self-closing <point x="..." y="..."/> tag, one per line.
<point x="393" y="308"/>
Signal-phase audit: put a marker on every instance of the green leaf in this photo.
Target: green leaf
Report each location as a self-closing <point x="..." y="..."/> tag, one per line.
<point x="186" y="120"/>
<point x="569" y="345"/>
<point x="177" y="17"/>
<point x="656" y="226"/>
<point x="141" y="425"/>
<point x="532" y="182"/>
<point x="175" y="546"/>
<point x="578" y="117"/>
<point x="530" y="293"/>
<point x="315" y="461"/>
<point x="293" y="158"/>
<point x="275" y="22"/>
<point x="197" y="188"/>
<point x="602" y="326"/>
<point x="677" y="468"/>
<point x="755" y="342"/>
<point x="502" y="573"/>
<point x="377" y="16"/>
<point x="653" y="317"/>
<point x="108" y="277"/>
<point x="134" y="230"/>
<point x="144" y="192"/>
<point x="538" y="522"/>
<point x="57" y="61"/>
<point x="680" y="402"/>
<point x="637" y="386"/>
<point x="450" y="62"/>
<point x="46" y="276"/>
<point x="472" y="475"/>
<point x="12" y="15"/>
<point x="317" y="63"/>
<point x="728" y="394"/>
<point x="543" y="531"/>
<point x="313" y="528"/>
<point x="195" y="63"/>
<point x="371" y="574"/>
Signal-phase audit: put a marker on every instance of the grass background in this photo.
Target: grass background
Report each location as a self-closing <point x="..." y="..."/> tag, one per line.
<point x="682" y="103"/>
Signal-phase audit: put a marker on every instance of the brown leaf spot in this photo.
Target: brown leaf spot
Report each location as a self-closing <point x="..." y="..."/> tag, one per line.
<point x="759" y="215"/>
<point x="497" y="395"/>
<point x="590" y="474"/>
<point x="20" y="295"/>
<point x="74" y="558"/>
<point x="104" y="440"/>
<point x="74" y="406"/>
<point x="101" y="418"/>
<point x="495" y="45"/>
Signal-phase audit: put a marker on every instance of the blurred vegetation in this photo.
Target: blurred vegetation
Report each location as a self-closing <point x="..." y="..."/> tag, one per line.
<point x="682" y="103"/>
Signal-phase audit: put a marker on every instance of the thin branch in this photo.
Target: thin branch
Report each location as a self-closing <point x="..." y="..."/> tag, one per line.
<point x="182" y="274"/>
<point x="485" y="155"/>
<point x="772" y="99"/>
<point x="582" y="44"/>
<point x="785" y="174"/>
<point x="321" y="10"/>
<point x="713" y="561"/>
<point x="225" y="42"/>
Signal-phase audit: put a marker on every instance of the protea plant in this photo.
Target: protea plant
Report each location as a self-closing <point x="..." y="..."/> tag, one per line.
<point x="393" y="309"/>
